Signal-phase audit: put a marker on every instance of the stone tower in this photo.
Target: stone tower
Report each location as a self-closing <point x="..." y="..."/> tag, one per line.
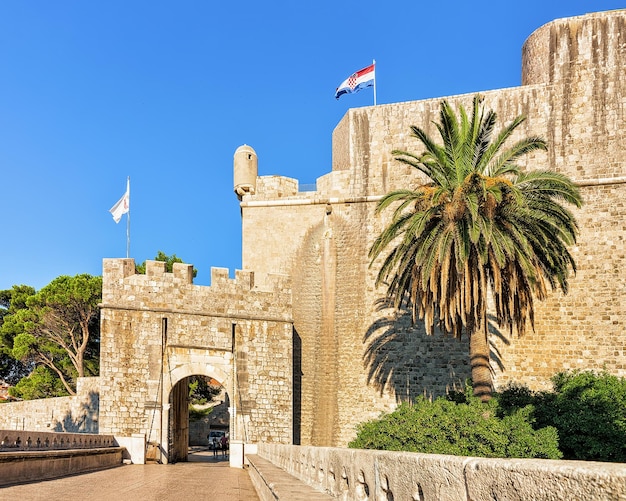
<point x="358" y="360"/>
<point x="246" y="170"/>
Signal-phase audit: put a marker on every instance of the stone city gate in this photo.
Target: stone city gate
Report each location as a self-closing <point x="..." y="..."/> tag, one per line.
<point x="159" y="329"/>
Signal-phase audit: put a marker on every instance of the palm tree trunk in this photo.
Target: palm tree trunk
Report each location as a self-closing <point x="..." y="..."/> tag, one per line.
<point x="479" y="360"/>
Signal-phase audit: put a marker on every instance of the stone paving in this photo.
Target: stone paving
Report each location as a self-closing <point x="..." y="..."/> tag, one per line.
<point x="203" y="477"/>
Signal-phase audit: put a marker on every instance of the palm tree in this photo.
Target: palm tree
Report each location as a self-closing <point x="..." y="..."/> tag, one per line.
<point x="479" y="225"/>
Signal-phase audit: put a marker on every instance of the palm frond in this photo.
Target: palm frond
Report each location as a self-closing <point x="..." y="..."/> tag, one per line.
<point x="481" y="224"/>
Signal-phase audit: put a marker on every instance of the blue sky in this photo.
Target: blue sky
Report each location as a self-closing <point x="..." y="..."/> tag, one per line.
<point x="164" y="92"/>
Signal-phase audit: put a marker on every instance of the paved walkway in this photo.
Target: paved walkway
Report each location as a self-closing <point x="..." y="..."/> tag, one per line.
<point x="203" y="477"/>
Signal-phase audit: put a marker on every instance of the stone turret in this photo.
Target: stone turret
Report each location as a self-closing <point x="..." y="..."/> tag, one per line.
<point x="246" y="171"/>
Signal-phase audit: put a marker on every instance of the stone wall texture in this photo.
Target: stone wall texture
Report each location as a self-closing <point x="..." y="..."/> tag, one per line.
<point x="159" y="329"/>
<point x="76" y="414"/>
<point x="357" y="359"/>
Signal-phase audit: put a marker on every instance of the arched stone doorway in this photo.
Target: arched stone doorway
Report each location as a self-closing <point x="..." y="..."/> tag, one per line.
<point x="184" y="430"/>
<point x="178" y="371"/>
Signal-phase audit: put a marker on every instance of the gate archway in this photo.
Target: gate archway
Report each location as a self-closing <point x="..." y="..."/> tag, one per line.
<point x="179" y="368"/>
<point x="159" y="328"/>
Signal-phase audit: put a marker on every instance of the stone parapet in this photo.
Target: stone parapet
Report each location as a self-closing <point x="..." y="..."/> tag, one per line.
<point x="14" y="441"/>
<point x="273" y="483"/>
<point x="368" y="474"/>
<point x="158" y="290"/>
<point x="271" y="187"/>
<point x="35" y="466"/>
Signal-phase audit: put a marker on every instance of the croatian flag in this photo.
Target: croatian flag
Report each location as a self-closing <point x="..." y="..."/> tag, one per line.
<point x="357" y="81"/>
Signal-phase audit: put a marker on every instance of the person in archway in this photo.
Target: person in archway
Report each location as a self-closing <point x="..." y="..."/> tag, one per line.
<point x="224" y="445"/>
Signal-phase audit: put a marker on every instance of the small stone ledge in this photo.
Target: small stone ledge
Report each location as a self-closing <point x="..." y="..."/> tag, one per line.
<point x="273" y="483"/>
<point x="33" y="466"/>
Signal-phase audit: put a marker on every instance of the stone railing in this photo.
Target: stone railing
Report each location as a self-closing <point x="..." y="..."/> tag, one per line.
<point x="32" y="456"/>
<point x="352" y="474"/>
<point x="13" y="441"/>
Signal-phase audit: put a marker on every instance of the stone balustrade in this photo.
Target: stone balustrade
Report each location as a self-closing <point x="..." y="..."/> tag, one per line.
<point x="13" y="441"/>
<point x="352" y="474"/>
<point x="32" y="456"/>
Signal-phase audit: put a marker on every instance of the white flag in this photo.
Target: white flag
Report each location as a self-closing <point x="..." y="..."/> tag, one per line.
<point x="122" y="206"/>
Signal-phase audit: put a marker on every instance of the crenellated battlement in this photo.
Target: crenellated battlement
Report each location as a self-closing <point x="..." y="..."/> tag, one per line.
<point x="118" y="269"/>
<point x="160" y="289"/>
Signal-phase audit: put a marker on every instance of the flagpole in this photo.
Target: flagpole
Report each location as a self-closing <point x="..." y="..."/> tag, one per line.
<point x="374" y="64"/>
<point x="128" y="219"/>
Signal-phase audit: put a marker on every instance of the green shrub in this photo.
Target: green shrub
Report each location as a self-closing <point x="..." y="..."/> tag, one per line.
<point x="584" y="416"/>
<point x="463" y="429"/>
<point x="524" y="441"/>
<point x="515" y="396"/>
<point x="196" y="414"/>
<point x="589" y="410"/>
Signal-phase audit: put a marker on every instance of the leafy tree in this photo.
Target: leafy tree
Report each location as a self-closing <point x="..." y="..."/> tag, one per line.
<point x="40" y="383"/>
<point x="11" y="301"/>
<point x="202" y="391"/>
<point x="59" y="328"/>
<point x="462" y="429"/>
<point x="14" y="299"/>
<point x="12" y="370"/>
<point x="170" y="260"/>
<point x="478" y="225"/>
<point x="196" y="414"/>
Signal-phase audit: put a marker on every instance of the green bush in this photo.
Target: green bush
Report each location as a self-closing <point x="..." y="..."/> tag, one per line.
<point x="589" y="410"/>
<point x="196" y="414"/>
<point x="467" y="428"/>
<point x="584" y="416"/>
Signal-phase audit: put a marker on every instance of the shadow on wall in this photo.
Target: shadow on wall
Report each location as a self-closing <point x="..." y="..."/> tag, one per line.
<point x="85" y="420"/>
<point x="297" y="387"/>
<point x="496" y="334"/>
<point x="400" y="357"/>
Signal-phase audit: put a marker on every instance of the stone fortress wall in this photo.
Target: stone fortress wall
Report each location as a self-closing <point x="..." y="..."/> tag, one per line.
<point x="299" y="341"/>
<point x="75" y="414"/>
<point x="358" y="360"/>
